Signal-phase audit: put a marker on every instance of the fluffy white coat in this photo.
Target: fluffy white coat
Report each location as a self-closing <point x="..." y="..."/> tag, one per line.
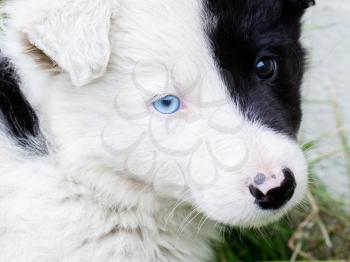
<point x="121" y="182"/>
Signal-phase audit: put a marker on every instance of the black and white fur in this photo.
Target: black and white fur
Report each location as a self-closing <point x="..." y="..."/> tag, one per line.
<point x="89" y="171"/>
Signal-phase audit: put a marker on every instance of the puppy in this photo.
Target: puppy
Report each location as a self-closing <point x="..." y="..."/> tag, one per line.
<point x="130" y="128"/>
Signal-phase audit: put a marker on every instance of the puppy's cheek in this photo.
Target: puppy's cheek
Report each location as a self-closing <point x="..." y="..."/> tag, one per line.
<point x="202" y="171"/>
<point x="169" y="179"/>
<point x="226" y="201"/>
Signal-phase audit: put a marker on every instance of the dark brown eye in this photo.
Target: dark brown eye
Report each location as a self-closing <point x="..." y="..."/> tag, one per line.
<point x="266" y="68"/>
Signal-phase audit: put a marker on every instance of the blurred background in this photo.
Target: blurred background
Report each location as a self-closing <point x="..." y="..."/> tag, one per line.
<point x="327" y="94"/>
<point x="321" y="229"/>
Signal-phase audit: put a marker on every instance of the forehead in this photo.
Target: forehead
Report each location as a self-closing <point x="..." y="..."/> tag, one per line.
<point x="166" y="29"/>
<point x="164" y="35"/>
<point x="176" y="29"/>
<point x="257" y="9"/>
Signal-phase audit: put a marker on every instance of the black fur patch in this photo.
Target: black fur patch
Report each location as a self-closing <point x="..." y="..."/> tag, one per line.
<point x="18" y="116"/>
<point x="246" y="30"/>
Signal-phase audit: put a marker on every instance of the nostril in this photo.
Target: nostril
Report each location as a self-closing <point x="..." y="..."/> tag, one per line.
<point x="259" y="179"/>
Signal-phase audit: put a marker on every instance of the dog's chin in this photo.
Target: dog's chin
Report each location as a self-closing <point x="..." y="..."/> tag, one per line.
<point x="254" y="219"/>
<point x="246" y="215"/>
<point x="260" y="218"/>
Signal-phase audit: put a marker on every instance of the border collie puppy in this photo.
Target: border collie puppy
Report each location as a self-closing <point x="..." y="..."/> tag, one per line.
<point x="130" y="128"/>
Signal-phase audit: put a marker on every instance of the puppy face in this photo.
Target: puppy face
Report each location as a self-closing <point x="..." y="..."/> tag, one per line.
<point x="198" y="100"/>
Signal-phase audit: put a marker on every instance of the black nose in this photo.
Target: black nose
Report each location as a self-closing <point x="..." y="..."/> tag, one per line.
<point x="278" y="196"/>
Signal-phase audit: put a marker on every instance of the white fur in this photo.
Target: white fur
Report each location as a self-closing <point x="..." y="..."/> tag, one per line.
<point x="122" y="182"/>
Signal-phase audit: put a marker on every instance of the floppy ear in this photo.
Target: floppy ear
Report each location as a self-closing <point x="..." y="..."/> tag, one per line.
<point x="74" y="35"/>
<point x="302" y="4"/>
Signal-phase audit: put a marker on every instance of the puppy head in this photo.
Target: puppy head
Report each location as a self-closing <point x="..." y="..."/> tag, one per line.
<point x="201" y="99"/>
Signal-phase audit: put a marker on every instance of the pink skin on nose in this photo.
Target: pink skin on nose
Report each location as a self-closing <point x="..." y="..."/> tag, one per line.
<point x="267" y="182"/>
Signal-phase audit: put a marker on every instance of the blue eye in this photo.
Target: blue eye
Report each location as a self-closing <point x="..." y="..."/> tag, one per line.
<point x="167" y="105"/>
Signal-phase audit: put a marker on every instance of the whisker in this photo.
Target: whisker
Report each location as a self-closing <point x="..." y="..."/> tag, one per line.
<point x="178" y="203"/>
<point x="186" y="223"/>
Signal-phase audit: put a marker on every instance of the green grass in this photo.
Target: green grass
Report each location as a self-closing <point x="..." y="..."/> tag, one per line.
<point x="271" y="243"/>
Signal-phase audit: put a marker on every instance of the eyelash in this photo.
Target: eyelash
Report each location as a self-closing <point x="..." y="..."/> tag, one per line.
<point x="157" y="97"/>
